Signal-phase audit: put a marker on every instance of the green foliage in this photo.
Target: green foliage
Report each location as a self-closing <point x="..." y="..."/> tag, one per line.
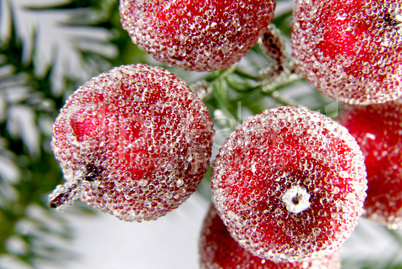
<point x="231" y="96"/>
<point x="24" y="90"/>
<point x="101" y="15"/>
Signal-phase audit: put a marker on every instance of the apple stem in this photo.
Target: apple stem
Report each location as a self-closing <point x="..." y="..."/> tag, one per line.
<point x="65" y="194"/>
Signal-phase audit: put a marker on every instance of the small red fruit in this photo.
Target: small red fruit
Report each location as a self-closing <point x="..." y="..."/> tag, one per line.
<point x="350" y="50"/>
<point x="196" y="35"/>
<point x="289" y="184"/>
<point x="378" y="131"/>
<point x="218" y="250"/>
<point x="134" y="142"/>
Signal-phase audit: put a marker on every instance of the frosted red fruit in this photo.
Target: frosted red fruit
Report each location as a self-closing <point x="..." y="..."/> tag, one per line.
<point x="218" y="250"/>
<point x="378" y="131"/>
<point x="350" y="50"/>
<point x="134" y="142"/>
<point x="289" y="184"/>
<point x="196" y="35"/>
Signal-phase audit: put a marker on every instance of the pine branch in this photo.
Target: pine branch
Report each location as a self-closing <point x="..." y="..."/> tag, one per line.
<point x="98" y="14"/>
<point x="36" y="169"/>
<point x="230" y="95"/>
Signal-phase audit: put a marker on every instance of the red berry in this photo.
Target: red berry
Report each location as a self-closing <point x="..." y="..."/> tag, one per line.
<point x="350" y="50"/>
<point x="134" y="142"/>
<point x="219" y="250"/>
<point x="378" y="131"/>
<point x="196" y="35"/>
<point x="289" y="184"/>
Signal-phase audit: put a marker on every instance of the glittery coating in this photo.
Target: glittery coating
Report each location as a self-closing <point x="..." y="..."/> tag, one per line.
<point x="378" y="131"/>
<point x="218" y="250"/>
<point x="137" y="140"/>
<point x="282" y="149"/>
<point x="350" y="50"/>
<point x="196" y="35"/>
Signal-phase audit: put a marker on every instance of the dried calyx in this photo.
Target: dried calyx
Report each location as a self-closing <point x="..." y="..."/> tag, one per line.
<point x="296" y="199"/>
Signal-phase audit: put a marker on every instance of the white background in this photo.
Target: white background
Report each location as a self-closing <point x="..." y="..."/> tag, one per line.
<point x="104" y="242"/>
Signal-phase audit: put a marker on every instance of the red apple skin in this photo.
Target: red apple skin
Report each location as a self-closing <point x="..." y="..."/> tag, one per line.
<point x="350" y="50"/>
<point x="196" y="35"/>
<point x="134" y="142"/>
<point x="378" y="130"/>
<point x="218" y="250"/>
<point x="289" y="184"/>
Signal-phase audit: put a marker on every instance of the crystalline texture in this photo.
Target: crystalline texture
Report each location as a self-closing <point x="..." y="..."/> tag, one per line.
<point x="378" y="130"/>
<point x="134" y="142"/>
<point x="350" y="50"/>
<point x="282" y="156"/>
<point x="196" y="35"/>
<point x="219" y="250"/>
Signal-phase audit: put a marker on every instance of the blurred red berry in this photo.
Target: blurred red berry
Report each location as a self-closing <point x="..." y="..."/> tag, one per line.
<point x="289" y="184"/>
<point x="350" y="50"/>
<point x="218" y="250"/>
<point x="134" y="142"/>
<point x="196" y="35"/>
<point x="378" y="131"/>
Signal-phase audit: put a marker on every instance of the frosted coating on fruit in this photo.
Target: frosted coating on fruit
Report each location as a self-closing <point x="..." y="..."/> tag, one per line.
<point x="134" y="142"/>
<point x="196" y="35"/>
<point x="378" y="131"/>
<point x="218" y="250"/>
<point x="350" y="50"/>
<point x="282" y="149"/>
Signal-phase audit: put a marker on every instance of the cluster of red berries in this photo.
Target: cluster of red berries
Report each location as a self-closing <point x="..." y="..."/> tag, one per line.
<point x="289" y="184"/>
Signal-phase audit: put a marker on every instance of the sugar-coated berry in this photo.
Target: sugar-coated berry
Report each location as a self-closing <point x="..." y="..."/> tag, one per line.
<point x="196" y="35"/>
<point x="218" y="250"/>
<point x="289" y="184"/>
<point x="350" y="50"/>
<point x="378" y="131"/>
<point x="134" y="142"/>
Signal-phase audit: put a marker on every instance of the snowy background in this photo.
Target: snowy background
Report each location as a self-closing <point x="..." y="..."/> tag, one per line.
<point x="104" y="242"/>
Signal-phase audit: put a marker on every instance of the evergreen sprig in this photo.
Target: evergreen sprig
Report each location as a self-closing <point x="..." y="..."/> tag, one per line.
<point x="231" y="95"/>
<point x="28" y="229"/>
<point x="98" y="15"/>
